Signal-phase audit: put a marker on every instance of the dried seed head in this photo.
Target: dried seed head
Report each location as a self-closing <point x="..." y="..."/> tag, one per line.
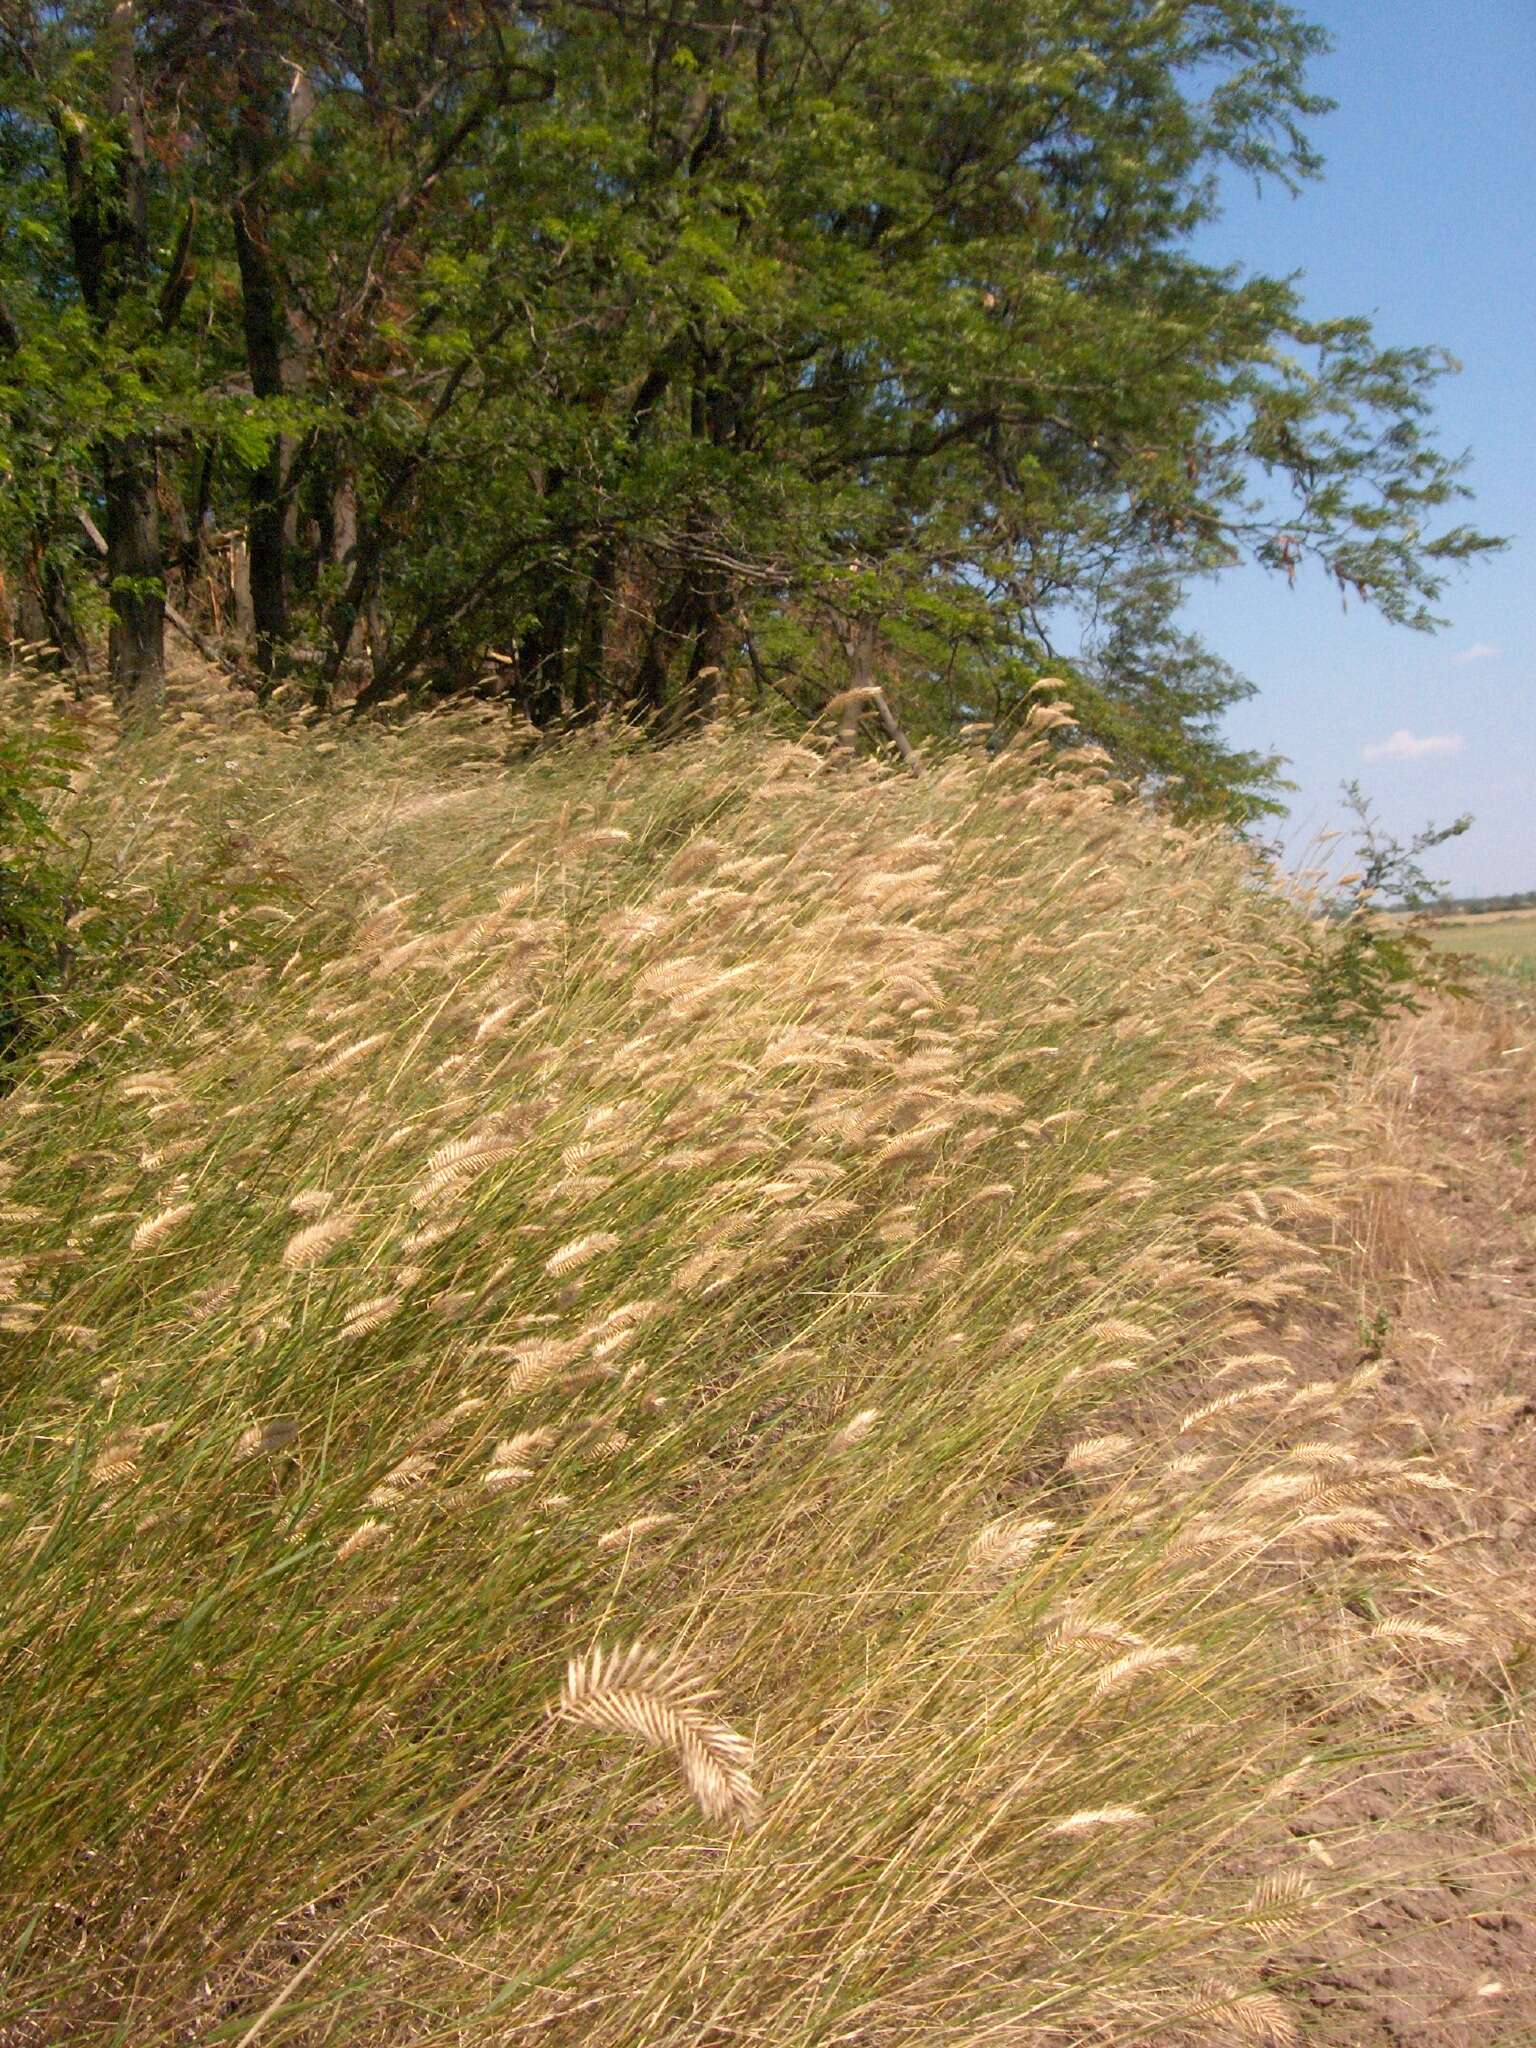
<point x="855" y="1430"/>
<point x="519" y="1449"/>
<point x="1281" y="1906"/>
<point x="370" y="1315"/>
<point x="1090" y="1452"/>
<point x="405" y="1477"/>
<point x="1409" y="1630"/>
<point x="278" y="1434"/>
<point x="458" y="1162"/>
<point x="629" y="1533"/>
<point x="1099" y="1817"/>
<point x="579" y="1251"/>
<point x="658" y="1702"/>
<point x="307" y="1247"/>
<point x="366" y="1536"/>
<point x="535" y="1362"/>
<point x="154" y="1228"/>
<point x="1002" y="1546"/>
<point x="1150" y="1657"/>
<point x="1254" y="2015"/>
<point x="1116" y="1330"/>
<point x="350" y="1053"/>
<point x="1244" y="1397"/>
<point x="117" y="1462"/>
<point x="1074" y="1623"/>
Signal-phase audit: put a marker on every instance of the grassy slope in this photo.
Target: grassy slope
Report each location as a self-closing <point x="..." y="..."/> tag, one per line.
<point x="698" y="1198"/>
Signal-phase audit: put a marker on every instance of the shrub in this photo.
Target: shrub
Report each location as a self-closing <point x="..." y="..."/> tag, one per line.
<point x="38" y="881"/>
<point x="1360" y="967"/>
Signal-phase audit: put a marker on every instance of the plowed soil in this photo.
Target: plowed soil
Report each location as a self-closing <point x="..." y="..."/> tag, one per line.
<point x="1444" y="1955"/>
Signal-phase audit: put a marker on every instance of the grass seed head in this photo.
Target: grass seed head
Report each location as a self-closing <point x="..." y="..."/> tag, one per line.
<point x="660" y="1703"/>
<point x="1003" y="1545"/>
<point x="1094" y="1817"/>
<point x="856" y="1430"/>
<point x="281" y="1433"/>
<point x="580" y="1251"/>
<point x="368" y="1535"/>
<point x="316" y="1241"/>
<point x="154" y="1228"/>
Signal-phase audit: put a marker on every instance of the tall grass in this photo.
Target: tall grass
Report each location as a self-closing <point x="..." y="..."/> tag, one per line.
<point x="643" y="1405"/>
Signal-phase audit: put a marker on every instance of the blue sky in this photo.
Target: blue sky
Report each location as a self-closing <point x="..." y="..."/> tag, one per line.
<point x="1425" y="219"/>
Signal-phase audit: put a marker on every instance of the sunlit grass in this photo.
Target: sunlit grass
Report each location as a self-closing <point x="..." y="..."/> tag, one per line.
<point x="656" y="1415"/>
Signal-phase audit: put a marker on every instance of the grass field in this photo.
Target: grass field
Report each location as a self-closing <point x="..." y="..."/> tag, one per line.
<point x="1503" y="939"/>
<point x="645" y="1403"/>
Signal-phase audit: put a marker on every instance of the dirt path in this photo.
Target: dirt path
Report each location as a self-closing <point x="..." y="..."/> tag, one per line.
<point x="1441" y="1820"/>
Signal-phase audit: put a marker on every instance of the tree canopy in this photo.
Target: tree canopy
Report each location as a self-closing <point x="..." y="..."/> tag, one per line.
<point x="632" y="346"/>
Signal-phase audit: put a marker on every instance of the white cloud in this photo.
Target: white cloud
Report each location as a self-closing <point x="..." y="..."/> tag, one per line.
<point x="1408" y="746"/>
<point x="1480" y="650"/>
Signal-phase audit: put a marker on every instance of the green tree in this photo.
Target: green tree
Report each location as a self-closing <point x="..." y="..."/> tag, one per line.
<point x="81" y="78"/>
<point x="649" y="341"/>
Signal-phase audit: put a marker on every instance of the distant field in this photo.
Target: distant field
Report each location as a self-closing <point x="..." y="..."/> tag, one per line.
<point x="1504" y="938"/>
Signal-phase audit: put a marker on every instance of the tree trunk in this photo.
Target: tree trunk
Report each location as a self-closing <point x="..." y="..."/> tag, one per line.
<point x="240" y="590"/>
<point x="135" y="570"/>
<point x="669" y="625"/>
<point x="180" y="556"/>
<point x="365" y="635"/>
<point x="589" y="674"/>
<point x="542" y="654"/>
<point x="708" y="600"/>
<point x="197" y="566"/>
<point x="135" y="577"/>
<point x="45" y="613"/>
<point x="109" y="237"/>
<point x="543" y="650"/>
<point x="701" y="692"/>
<point x="256" y="143"/>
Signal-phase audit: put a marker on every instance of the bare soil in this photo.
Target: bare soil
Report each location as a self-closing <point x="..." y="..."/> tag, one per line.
<point x="1439" y="1822"/>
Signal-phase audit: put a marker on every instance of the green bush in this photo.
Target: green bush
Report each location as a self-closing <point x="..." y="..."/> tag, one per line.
<point x="1361" y="966"/>
<point x="39" y="883"/>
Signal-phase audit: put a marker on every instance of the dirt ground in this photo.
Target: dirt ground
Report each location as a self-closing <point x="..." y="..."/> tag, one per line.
<point x="1440" y="1817"/>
